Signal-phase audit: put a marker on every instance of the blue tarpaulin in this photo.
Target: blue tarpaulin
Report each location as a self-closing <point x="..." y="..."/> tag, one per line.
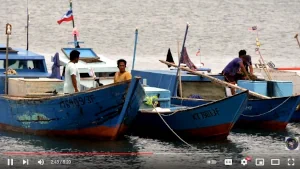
<point x="55" y="67"/>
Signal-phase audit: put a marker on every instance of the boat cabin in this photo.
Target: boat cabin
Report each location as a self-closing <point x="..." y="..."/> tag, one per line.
<point x="103" y="67"/>
<point x="191" y="84"/>
<point x="27" y="65"/>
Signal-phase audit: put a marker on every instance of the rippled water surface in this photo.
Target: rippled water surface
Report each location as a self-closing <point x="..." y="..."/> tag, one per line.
<point x="218" y="27"/>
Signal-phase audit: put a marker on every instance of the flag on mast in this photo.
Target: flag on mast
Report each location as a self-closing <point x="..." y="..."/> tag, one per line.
<point x="186" y="60"/>
<point x="67" y="17"/>
<point x="198" y="52"/>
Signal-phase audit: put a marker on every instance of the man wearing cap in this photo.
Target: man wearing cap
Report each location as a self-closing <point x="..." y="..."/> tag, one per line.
<point x="232" y="71"/>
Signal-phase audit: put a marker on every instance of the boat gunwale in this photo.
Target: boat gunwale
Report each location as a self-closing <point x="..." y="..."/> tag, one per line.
<point x="194" y="107"/>
<point x="18" y="98"/>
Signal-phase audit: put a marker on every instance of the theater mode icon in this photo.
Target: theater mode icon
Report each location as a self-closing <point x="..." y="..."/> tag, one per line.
<point x="275" y="161"/>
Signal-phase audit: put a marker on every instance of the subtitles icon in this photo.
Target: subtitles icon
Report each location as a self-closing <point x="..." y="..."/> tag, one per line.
<point x="259" y="162"/>
<point x="291" y="162"/>
<point x="228" y="161"/>
<point x="292" y="143"/>
<point x="275" y="161"/>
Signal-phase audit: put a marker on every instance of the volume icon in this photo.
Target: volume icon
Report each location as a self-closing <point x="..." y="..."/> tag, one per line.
<point x="10" y="162"/>
<point x="41" y="162"/>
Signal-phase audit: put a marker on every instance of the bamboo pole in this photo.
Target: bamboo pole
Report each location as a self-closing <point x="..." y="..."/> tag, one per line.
<point x="134" y="50"/>
<point x="264" y="66"/>
<point x="180" y="84"/>
<point x="266" y="69"/>
<point x="218" y="81"/>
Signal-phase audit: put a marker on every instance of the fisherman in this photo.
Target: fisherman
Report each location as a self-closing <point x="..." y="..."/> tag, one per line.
<point x="248" y="64"/>
<point x="122" y="75"/>
<point x="72" y="77"/>
<point x="233" y="71"/>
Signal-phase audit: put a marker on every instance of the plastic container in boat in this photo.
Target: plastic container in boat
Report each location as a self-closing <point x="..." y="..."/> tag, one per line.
<point x="164" y="96"/>
<point x="280" y="88"/>
<point x="254" y="86"/>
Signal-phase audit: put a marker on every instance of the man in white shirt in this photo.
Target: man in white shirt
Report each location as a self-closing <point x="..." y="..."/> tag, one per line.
<point x="72" y="77"/>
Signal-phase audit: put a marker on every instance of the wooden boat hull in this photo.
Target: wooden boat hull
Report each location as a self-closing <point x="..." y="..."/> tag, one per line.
<point x="275" y="120"/>
<point x="280" y="113"/>
<point x="210" y="120"/>
<point x="103" y="113"/>
<point x="263" y="114"/>
<point x="296" y="115"/>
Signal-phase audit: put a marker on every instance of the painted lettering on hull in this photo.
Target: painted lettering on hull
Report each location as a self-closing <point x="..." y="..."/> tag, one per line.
<point x="206" y="114"/>
<point x="77" y="101"/>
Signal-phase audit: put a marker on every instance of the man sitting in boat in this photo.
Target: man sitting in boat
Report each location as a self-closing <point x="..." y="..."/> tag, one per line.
<point x="232" y="71"/>
<point x="122" y="75"/>
<point x="72" y="77"/>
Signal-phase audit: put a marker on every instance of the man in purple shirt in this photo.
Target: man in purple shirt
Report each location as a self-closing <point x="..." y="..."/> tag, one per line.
<point x="232" y="71"/>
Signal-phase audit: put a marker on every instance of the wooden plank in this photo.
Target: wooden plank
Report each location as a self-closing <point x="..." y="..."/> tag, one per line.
<point x="218" y="81"/>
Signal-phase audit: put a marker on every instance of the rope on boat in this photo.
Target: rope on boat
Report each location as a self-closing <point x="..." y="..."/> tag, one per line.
<point x="154" y="106"/>
<point x="269" y="110"/>
<point x="169" y="114"/>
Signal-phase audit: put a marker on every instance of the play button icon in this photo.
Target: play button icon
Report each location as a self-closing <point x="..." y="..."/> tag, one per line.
<point x="25" y="162"/>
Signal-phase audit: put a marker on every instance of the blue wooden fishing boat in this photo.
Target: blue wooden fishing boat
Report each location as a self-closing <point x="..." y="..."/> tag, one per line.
<point x="100" y="113"/>
<point x="274" y="113"/>
<point x="212" y="120"/>
<point x="282" y="75"/>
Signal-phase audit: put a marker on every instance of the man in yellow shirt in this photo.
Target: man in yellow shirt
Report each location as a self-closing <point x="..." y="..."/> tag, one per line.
<point x="122" y="75"/>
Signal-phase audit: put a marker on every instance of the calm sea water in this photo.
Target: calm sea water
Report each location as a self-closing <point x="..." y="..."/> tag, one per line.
<point x="218" y="27"/>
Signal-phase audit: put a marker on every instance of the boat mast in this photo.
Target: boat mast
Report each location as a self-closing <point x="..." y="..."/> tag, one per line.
<point x="76" y="44"/>
<point x="181" y="56"/>
<point x="27" y="28"/>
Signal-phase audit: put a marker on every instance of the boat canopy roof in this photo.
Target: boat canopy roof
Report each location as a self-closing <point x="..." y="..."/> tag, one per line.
<point x="19" y="54"/>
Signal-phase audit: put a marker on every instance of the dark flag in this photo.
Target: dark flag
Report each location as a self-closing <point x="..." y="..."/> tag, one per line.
<point x="186" y="60"/>
<point x="170" y="57"/>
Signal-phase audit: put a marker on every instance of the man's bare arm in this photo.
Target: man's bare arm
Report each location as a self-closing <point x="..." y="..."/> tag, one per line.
<point x="74" y="82"/>
<point x="251" y="69"/>
<point x="244" y="70"/>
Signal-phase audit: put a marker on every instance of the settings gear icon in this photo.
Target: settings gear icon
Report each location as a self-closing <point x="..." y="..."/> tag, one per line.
<point x="244" y="162"/>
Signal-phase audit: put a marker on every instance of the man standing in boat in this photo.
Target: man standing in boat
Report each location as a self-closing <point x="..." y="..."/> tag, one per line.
<point x="72" y="77"/>
<point x="232" y="71"/>
<point x="122" y="75"/>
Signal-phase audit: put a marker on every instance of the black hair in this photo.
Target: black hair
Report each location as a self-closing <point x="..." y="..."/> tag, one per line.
<point x="242" y="52"/>
<point x="74" y="54"/>
<point x="121" y="60"/>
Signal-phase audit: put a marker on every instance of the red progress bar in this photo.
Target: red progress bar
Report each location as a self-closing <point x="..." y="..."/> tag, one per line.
<point x="81" y="153"/>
